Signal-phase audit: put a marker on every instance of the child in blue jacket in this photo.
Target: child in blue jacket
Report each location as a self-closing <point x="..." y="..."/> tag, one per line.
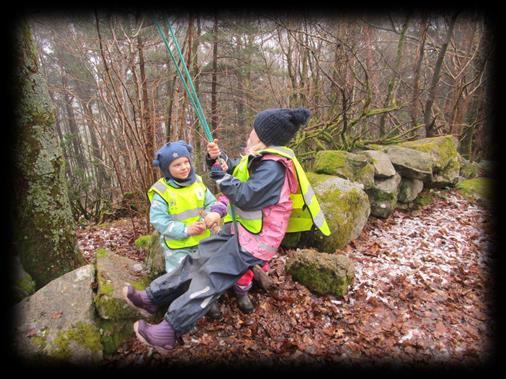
<point x="177" y="201"/>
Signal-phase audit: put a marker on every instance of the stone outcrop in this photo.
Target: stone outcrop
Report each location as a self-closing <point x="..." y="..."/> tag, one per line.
<point x="58" y="321"/>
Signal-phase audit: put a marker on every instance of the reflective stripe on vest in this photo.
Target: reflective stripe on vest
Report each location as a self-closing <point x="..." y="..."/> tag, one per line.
<point x="306" y="209"/>
<point x="184" y="205"/>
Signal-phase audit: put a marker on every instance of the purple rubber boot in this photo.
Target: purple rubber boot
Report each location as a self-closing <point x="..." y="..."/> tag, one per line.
<point x="139" y="300"/>
<point x="160" y="336"/>
<point x="243" y="300"/>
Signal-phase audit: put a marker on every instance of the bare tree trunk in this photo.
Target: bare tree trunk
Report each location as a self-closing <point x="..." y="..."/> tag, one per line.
<point x="146" y="115"/>
<point x="395" y="76"/>
<point x="424" y="26"/>
<point x="428" y="120"/>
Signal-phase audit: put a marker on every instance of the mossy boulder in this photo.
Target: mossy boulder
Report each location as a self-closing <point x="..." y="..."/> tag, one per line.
<point x="445" y="158"/>
<point x="476" y="189"/>
<point x="322" y="273"/>
<point x="346" y="209"/>
<point x="351" y="166"/>
<point x="113" y="272"/>
<point x="383" y="196"/>
<point x="410" y="163"/>
<point x="58" y="321"/>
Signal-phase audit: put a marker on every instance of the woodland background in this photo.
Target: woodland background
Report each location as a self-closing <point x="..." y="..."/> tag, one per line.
<point x="379" y="78"/>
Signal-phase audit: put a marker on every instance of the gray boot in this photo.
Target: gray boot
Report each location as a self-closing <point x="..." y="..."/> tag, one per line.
<point x="214" y="312"/>
<point x="243" y="300"/>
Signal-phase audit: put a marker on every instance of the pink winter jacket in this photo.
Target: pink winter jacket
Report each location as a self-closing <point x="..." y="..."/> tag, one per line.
<point x="275" y="217"/>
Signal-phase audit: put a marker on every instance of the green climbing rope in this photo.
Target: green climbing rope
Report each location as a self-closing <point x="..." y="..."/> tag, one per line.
<point x="190" y="90"/>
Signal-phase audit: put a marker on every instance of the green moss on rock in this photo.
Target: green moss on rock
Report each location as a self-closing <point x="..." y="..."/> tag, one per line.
<point x="144" y="242"/>
<point x="101" y="253"/>
<point x="85" y="336"/>
<point x="355" y="167"/>
<point x="423" y="199"/>
<point x="114" y="333"/>
<point x="108" y="306"/>
<point x="476" y="188"/>
<point x="346" y="209"/>
<point x="442" y="148"/>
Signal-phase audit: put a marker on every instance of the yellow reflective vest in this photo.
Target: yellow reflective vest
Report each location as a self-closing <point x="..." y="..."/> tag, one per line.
<point x="306" y="210"/>
<point x="183" y="204"/>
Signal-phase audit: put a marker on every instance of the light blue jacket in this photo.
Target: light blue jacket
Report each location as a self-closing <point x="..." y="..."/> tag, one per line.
<point x="162" y="221"/>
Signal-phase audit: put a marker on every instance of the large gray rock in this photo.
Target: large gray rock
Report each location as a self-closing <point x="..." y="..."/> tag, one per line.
<point x="58" y="321"/>
<point x="113" y="272"/>
<point x="445" y="158"/>
<point x="411" y="163"/>
<point x="383" y="167"/>
<point x="322" y="273"/>
<point x="346" y="208"/>
<point x="383" y="196"/>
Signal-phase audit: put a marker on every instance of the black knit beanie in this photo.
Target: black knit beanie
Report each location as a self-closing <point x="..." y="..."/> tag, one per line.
<point x="279" y="125"/>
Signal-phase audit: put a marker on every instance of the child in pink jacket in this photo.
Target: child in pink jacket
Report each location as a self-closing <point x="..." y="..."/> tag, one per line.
<point x="260" y="198"/>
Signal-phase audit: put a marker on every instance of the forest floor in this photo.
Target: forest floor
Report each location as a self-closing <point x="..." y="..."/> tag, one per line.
<point x="421" y="296"/>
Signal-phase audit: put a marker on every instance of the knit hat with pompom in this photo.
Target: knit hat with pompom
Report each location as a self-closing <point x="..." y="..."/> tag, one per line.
<point x="279" y="125"/>
<point x="169" y="152"/>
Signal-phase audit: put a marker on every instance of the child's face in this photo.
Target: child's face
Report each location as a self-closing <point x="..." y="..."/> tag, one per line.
<point x="180" y="168"/>
<point x="252" y="140"/>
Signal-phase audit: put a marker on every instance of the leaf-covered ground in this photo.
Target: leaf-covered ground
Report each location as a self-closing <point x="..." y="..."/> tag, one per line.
<point x="420" y="296"/>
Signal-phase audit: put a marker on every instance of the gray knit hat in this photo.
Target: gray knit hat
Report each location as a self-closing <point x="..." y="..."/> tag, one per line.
<point x="278" y="126"/>
<point x="169" y="152"/>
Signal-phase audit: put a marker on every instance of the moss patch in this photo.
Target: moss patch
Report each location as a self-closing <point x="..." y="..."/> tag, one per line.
<point x="144" y="242"/>
<point x="355" y="167"/>
<point x="101" y="253"/>
<point x="82" y="334"/>
<point x="423" y="199"/>
<point x="476" y="188"/>
<point x="108" y="306"/>
<point x="114" y="333"/>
